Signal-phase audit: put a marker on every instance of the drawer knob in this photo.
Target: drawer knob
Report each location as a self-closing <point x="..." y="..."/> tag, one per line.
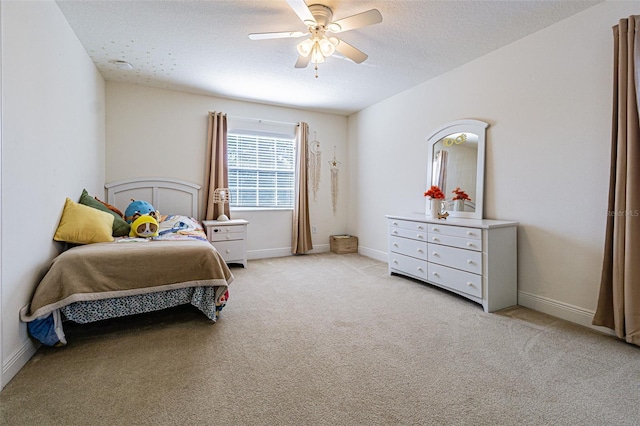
<point x="420" y="227"/>
<point x="436" y="239"/>
<point x="395" y="223"/>
<point x="420" y="236"/>
<point x="435" y="229"/>
<point x="435" y="253"/>
<point x="470" y="244"/>
<point x="420" y="250"/>
<point x="395" y="232"/>
<point x="470" y="284"/>
<point x="435" y="274"/>
<point x="470" y="262"/>
<point x="228" y="251"/>
<point x="470" y="233"/>
<point x="395" y="262"/>
<point x="228" y="237"/>
<point x="395" y="244"/>
<point x="420" y="269"/>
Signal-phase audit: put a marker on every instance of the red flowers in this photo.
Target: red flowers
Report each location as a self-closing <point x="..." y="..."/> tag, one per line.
<point x="460" y="194"/>
<point x="435" y="192"/>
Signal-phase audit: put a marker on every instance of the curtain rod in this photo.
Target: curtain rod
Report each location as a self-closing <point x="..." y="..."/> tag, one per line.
<point x="260" y="120"/>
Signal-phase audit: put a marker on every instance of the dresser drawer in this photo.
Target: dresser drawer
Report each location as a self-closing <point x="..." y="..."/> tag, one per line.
<point x="408" y="265"/>
<point x="230" y="250"/>
<point x="408" y="224"/>
<point x="464" y="282"/>
<point x="413" y="248"/>
<point x="466" y="260"/>
<point x="455" y="231"/>
<point x="225" y="233"/>
<point x="408" y="233"/>
<point x="448" y="240"/>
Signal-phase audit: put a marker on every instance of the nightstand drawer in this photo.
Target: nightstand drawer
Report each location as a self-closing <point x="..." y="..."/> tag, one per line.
<point x="225" y="233"/>
<point x="230" y="250"/>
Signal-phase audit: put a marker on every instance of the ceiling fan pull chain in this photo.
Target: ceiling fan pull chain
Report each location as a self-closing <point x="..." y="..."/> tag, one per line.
<point x="316" y="70"/>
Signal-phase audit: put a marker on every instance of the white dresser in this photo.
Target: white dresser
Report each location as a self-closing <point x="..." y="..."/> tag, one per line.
<point x="229" y="237"/>
<point x="474" y="258"/>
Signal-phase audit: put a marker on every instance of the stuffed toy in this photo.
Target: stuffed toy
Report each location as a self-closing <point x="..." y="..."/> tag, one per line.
<point x="139" y="208"/>
<point x="144" y="226"/>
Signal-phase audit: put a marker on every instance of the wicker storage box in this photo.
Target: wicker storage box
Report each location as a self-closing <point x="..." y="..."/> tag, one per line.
<point x="342" y="244"/>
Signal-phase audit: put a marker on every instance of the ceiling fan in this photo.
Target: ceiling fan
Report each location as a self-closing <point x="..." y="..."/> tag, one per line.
<point x="319" y="20"/>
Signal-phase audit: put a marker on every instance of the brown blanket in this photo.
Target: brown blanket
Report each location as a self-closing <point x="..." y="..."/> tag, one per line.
<point x="106" y="270"/>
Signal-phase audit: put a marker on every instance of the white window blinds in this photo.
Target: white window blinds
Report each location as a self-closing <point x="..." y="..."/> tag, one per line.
<point x="261" y="170"/>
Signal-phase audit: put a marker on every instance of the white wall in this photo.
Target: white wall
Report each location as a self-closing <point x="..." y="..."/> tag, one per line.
<point x="52" y="148"/>
<point x="548" y="100"/>
<point x="156" y="132"/>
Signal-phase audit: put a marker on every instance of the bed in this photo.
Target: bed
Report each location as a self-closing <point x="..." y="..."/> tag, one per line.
<point x="126" y="276"/>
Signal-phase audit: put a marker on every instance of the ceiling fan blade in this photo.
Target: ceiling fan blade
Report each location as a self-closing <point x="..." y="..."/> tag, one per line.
<point x="284" y="34"/>
<point x="351" y="52"/>
<point x="302" y="61"/>
<point x="303" y="12"/>
<point x="352" y="22"/>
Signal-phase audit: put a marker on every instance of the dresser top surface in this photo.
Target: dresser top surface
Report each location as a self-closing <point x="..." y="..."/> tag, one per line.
<point x="455" y="221"/>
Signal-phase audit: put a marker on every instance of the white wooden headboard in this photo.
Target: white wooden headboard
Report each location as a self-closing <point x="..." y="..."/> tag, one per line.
<point x="168" y="196"/>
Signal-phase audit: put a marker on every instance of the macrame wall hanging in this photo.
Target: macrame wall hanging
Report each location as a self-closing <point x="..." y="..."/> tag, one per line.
<point x="313" y="166"/>
<point x="334" y="181"/>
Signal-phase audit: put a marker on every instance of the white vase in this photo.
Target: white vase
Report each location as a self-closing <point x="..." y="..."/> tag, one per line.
<point x="458" y="205"/>
<point x="437" y="207"/>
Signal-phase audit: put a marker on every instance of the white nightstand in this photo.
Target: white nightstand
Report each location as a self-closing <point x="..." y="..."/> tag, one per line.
<point x="229" y="238"/>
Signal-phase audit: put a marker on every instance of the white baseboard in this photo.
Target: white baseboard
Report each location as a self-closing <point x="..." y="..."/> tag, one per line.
<point x="268" y="253"/>
<point x="374" y="254"/>
<point x="320" y="248"/>
<point x="282" y="252"/>
<point x="565" y="311"/>
<point x="18" y="360"/>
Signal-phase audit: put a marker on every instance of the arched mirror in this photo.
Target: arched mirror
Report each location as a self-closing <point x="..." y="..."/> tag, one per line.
<point x="456" y="166"/>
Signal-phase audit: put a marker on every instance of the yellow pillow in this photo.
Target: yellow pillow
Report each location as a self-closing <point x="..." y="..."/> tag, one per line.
<point x="81" y="224"/>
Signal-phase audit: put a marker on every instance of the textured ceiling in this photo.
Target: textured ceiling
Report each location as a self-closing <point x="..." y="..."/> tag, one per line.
<point x="203" y="46"/>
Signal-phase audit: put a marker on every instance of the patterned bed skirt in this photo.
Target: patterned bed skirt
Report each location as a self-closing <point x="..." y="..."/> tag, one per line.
<point x="203" y="298"/>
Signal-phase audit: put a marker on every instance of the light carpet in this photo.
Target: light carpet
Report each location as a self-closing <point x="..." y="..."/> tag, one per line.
<point x="330" y="340"/>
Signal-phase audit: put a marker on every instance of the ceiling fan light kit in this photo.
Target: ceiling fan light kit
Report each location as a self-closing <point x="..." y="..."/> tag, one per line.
<point x="318" y="46"/>
<point x="319" y="19"/>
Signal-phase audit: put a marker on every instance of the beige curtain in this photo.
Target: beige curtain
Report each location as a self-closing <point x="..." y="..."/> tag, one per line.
<point x="216" y="168"/>
<point x="440" y="170"/>
<point x="619" y="300"/>
<point x="301" y="235"/>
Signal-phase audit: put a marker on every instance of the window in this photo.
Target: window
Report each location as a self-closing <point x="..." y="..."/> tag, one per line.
<point x="261" y="170"/>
